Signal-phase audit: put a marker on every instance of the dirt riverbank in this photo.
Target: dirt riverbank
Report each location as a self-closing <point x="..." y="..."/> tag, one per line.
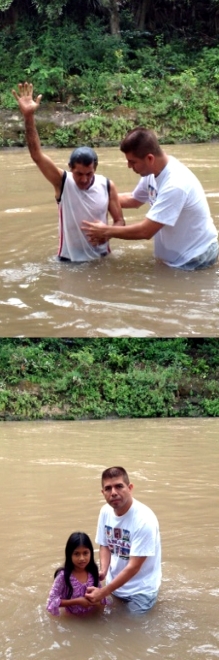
<point x="48" y="119"/>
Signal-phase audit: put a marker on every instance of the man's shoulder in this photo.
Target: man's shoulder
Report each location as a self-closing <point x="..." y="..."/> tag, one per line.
<point x="175" y="168"/>
<point x="176" y="176"/>
<point x="142" y="510"/>
<point x="101" y="181"/>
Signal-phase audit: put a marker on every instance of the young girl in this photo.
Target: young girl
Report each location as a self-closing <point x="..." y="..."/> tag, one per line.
<point x="71" y="581"/>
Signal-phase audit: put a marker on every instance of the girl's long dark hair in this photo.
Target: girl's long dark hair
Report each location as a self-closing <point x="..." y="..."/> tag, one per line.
<point x="75" y="540"/>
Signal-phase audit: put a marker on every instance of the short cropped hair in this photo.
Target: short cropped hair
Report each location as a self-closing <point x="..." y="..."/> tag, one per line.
<point x="141" y="142"/>
<point x="115" y="471"/>
<point x="84" y="156"/>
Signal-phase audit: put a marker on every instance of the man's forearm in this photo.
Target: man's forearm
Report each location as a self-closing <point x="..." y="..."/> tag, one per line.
<point x="126" y="574"/>
<point x="32" y="137"/>
<point x="136" y="232"/>
<point x="104" y="559"/>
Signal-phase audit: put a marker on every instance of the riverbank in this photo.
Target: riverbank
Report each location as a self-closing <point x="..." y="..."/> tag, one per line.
<point x="96" y="86"/>
<point x="49" y="118"/>
<point x="73" y="379"/>
<point x="58" y="126"/>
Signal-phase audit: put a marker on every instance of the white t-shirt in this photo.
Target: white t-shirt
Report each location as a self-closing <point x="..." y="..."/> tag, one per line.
<point x="178" y="202"/>
<point x="75" y="206"/>
<point x="134" y="534"/>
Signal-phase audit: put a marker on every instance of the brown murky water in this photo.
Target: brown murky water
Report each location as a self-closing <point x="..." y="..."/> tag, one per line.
<point x="127" y="294"/>
<point x="50" y="486"/>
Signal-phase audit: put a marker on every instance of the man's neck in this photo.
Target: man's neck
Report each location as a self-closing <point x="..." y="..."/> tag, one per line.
<point x="124" y="510"/>
<point x="160" y="163"/>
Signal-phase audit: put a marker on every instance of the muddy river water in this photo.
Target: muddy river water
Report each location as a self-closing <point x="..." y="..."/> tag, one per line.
<point x="50" y="486"/>
<point x="126" y="294"/>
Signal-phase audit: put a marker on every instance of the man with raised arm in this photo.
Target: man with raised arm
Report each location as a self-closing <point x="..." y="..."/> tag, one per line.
<point x="81" y="194"/>
<point x="179" y="217"/>
<point x="130" y="548"/>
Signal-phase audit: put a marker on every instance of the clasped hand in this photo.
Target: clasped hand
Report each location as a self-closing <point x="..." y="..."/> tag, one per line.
<point x="93" y="594"/>
<point x="95" y="232"/>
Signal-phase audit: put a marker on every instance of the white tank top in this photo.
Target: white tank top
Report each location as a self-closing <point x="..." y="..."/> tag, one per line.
<point x="76" y="205"/>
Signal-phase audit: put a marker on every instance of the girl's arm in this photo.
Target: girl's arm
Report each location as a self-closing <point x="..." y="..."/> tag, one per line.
<point x="81" y="600"/>
<point x="56" y="594"/>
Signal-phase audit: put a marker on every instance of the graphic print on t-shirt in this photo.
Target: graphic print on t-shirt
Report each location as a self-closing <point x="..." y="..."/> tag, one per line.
<point x="152" y="194"/>
<point x="118" y="541"/>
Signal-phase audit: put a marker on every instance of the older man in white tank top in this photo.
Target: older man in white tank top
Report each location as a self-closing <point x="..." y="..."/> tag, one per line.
<point x="82" y="195"/>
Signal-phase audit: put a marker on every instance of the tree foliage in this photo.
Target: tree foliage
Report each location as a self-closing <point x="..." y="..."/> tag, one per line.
<point x="5" y="4"/>
<point x="127" y="62"/>
<point x="166" y="16"/>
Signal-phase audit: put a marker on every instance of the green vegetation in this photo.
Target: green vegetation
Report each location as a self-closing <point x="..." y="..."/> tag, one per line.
<point x="98" y="378"/>
<point x="122" y="63"/>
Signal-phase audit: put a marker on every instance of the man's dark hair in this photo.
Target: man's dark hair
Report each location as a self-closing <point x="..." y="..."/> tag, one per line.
<point x="115" y="471"/>
<point x="141" y="142"/>
<point x="84" y="156"/>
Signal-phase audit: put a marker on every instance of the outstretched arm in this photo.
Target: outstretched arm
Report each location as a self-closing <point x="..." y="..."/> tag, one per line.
<point x="115" y="207"/>
<point x="138" y="231"/>
<point x="28" y="107"/>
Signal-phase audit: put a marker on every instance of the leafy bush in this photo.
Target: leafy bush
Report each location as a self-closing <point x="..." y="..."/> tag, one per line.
<point x="170" y="87"/>
<point x="95" y="378"/>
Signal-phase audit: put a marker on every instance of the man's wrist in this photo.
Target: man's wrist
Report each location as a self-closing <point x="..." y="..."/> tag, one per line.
<point x="29" y="118"/>
<point x="107" y="232"/>
<point x="105" y="591"/>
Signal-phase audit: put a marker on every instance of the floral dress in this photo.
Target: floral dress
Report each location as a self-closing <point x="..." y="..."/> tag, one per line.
<point x="59" y="592"/>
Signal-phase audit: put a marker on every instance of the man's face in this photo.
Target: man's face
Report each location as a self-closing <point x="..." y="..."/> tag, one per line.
<point x="142" y="166"/>
<point x="83" y="175"/>
<point x="118" y="494"/>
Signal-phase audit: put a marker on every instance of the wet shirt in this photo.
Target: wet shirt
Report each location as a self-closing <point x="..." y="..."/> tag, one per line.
<point x="75" y="206"/>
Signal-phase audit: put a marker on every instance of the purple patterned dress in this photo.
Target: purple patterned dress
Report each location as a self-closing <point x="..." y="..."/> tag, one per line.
<point x="59" y="592"/>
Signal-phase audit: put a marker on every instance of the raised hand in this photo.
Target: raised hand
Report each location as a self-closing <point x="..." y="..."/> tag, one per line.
<point x="25" y="99"/>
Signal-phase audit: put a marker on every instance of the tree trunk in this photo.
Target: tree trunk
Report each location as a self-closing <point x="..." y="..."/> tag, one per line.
<point x="141" y="10"/>
<point x="114" y="18"/>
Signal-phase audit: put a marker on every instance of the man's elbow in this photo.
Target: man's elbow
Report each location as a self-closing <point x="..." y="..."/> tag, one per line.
<point x="147" y="229"/>
<point x="143" y="234"/>
<point x="35" y="156"/>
